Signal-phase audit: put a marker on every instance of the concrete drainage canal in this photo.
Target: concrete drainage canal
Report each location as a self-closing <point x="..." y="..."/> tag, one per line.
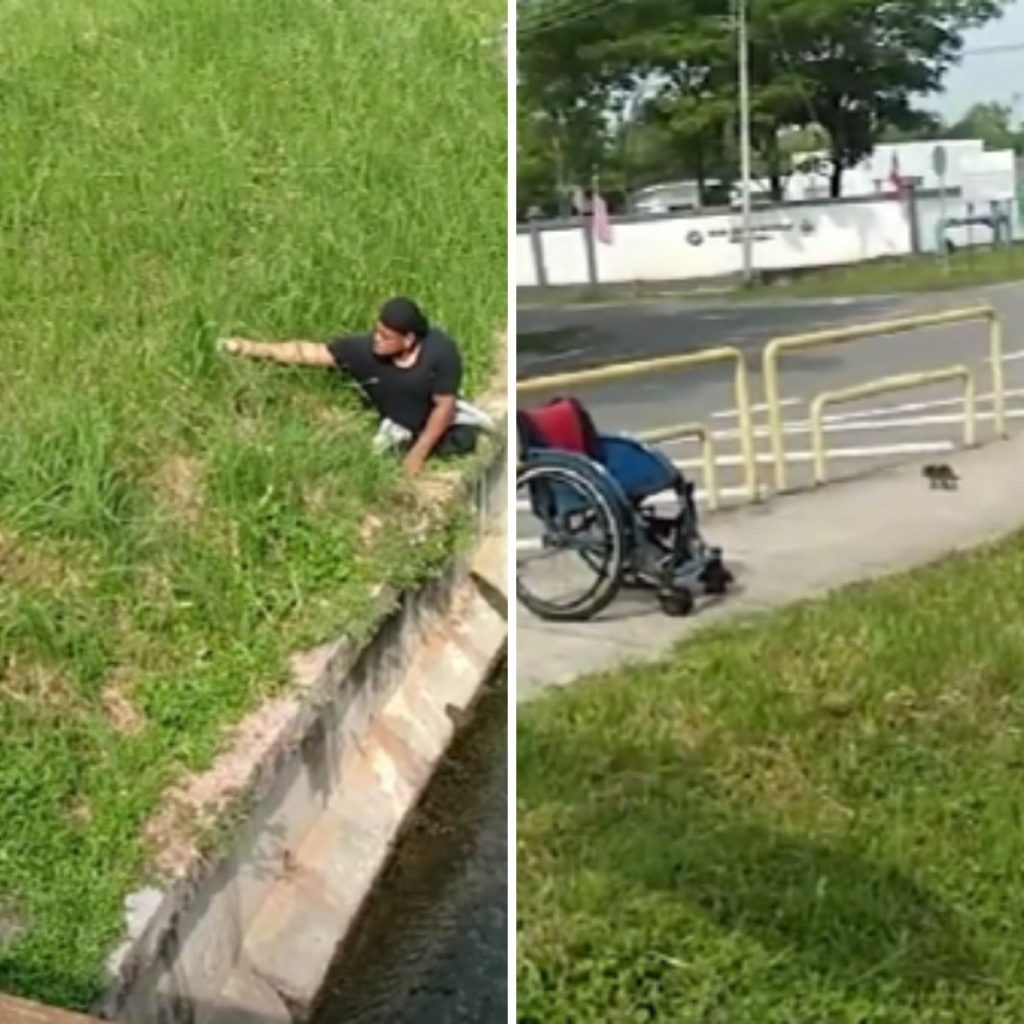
<point x="431" y="947"/>
<point x="327" y="779"/>
<point x="304" y="905"/>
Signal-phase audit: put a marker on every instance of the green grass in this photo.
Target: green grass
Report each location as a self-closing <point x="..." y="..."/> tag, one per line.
<point x="814" y="816"/>
<point x="173" y="524"/>
<point x="966" y="269"/>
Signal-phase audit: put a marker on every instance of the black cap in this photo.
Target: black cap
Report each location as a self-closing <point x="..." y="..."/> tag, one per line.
<point x="404" y="316"/>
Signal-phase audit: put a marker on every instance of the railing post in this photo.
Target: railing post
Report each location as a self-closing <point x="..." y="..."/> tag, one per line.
<point x="746" y="426"/>
<point x="710" y="473"/>
<point x="969" y="410"/>
<point x="771" y="397"/>
<point x="818" y="437"/>
<point x="995" y="328"/>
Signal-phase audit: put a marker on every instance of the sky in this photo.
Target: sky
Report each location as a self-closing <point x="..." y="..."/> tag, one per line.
<point x="987" y="76"/>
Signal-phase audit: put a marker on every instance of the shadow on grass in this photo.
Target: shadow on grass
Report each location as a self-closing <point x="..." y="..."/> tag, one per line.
<point x="667" y="833"/>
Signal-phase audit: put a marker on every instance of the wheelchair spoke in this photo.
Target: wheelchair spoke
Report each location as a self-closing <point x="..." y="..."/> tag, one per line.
<point x="569" y="543"/>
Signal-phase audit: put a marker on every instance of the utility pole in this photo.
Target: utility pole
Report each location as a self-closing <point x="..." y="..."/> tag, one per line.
<point x="744" y="67"/>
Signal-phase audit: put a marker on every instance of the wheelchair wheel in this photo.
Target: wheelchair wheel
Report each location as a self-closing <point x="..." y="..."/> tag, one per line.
<point x="678" y="602"/>
<point x="569" y="557"/>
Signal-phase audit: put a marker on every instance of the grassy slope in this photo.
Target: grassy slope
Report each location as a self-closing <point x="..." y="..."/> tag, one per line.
<point x="172" y="525"/>
<point x="814" y="816"/>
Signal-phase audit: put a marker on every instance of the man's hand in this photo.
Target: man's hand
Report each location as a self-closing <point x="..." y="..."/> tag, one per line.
<point x="414" y="462"/>
<point x="232" y="346"/>
<point x="441" y="418"/>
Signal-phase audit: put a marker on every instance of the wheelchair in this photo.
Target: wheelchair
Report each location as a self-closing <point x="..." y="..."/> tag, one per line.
<point x="590" y="496"/>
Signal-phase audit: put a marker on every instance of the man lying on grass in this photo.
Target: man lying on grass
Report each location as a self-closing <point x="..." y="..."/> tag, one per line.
<point x="410" y="373"/>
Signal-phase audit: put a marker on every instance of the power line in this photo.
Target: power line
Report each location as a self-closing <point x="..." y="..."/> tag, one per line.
<point x="982" y="51"/>
<point x="565" y="14"/>
<point x="562" y="14"/>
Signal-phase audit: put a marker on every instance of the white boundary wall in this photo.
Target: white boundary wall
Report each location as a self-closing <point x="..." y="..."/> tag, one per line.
<point x="692" y="246"/>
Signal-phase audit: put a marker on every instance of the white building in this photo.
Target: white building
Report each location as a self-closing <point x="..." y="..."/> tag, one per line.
<point x="981" y="177"/>
<point x="683" y="196"/>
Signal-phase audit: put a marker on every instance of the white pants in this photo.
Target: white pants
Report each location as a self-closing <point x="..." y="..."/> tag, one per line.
<point x="391" y="435"/>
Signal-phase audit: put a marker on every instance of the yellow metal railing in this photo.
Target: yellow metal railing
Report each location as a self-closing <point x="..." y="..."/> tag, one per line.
<point x="707" y="452"/>
<point x="775" y="348"/>
<point x="900" y="382"/>
<point x="664" y="364"/>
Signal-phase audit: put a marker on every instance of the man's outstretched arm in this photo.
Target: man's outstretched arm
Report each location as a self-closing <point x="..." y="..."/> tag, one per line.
<point x="291" y="353"/>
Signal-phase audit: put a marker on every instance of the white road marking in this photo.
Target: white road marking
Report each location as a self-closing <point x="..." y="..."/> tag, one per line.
<point x="865" y="452"/>
<point x="881" y="410"/>
<point x="731" y="414"/>
<point x="840" y="424"/>
<point x="886" y="410"/>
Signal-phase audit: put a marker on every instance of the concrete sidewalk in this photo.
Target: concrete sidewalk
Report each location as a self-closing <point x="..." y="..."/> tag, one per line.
<point x="793" y="547"/>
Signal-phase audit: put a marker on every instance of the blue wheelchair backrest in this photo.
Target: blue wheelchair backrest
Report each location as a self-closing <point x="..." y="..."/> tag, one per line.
<point x="639" y="470"/>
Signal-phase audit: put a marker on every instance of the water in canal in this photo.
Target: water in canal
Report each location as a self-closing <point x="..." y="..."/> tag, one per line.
<point x="432" y="947"/>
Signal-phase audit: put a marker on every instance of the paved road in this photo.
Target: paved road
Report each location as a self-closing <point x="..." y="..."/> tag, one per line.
<point x="865" y="435"/>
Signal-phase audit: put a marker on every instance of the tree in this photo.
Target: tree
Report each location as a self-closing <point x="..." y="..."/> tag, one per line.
<point x="993" y="124"/>
<point x="608" y="58"/>
<point x="562" y="108"/>
<point x="924" y="126"/>
<point x="863" y="62"/>
<point x="854" y="67"/>
<point x="556" y="149"/>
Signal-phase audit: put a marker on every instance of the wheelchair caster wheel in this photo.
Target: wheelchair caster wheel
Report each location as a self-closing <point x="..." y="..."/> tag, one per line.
<point x="718" y="583"/>
<point x="676" y="602"/>
<point x="716" y="578"/>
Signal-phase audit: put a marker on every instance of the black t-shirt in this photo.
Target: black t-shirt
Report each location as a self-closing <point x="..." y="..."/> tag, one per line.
<point x="404" y="396"/>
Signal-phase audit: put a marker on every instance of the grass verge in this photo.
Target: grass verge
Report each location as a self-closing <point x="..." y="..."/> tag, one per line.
<point x="173" y="525"/>
<point x="813" y="816"/>
<point x="966" y="269"/>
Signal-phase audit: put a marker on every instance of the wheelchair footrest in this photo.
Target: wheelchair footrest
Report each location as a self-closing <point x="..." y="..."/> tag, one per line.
<point x="708" y="573"/>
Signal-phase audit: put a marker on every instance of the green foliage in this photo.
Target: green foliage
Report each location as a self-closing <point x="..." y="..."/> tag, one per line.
<point x="174" y="524"/>
<point x="851" y="67"/>
<point x="992" y="122"/>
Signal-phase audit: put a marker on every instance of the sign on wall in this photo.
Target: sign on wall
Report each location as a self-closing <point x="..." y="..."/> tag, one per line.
<point x="762" y="232"/>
